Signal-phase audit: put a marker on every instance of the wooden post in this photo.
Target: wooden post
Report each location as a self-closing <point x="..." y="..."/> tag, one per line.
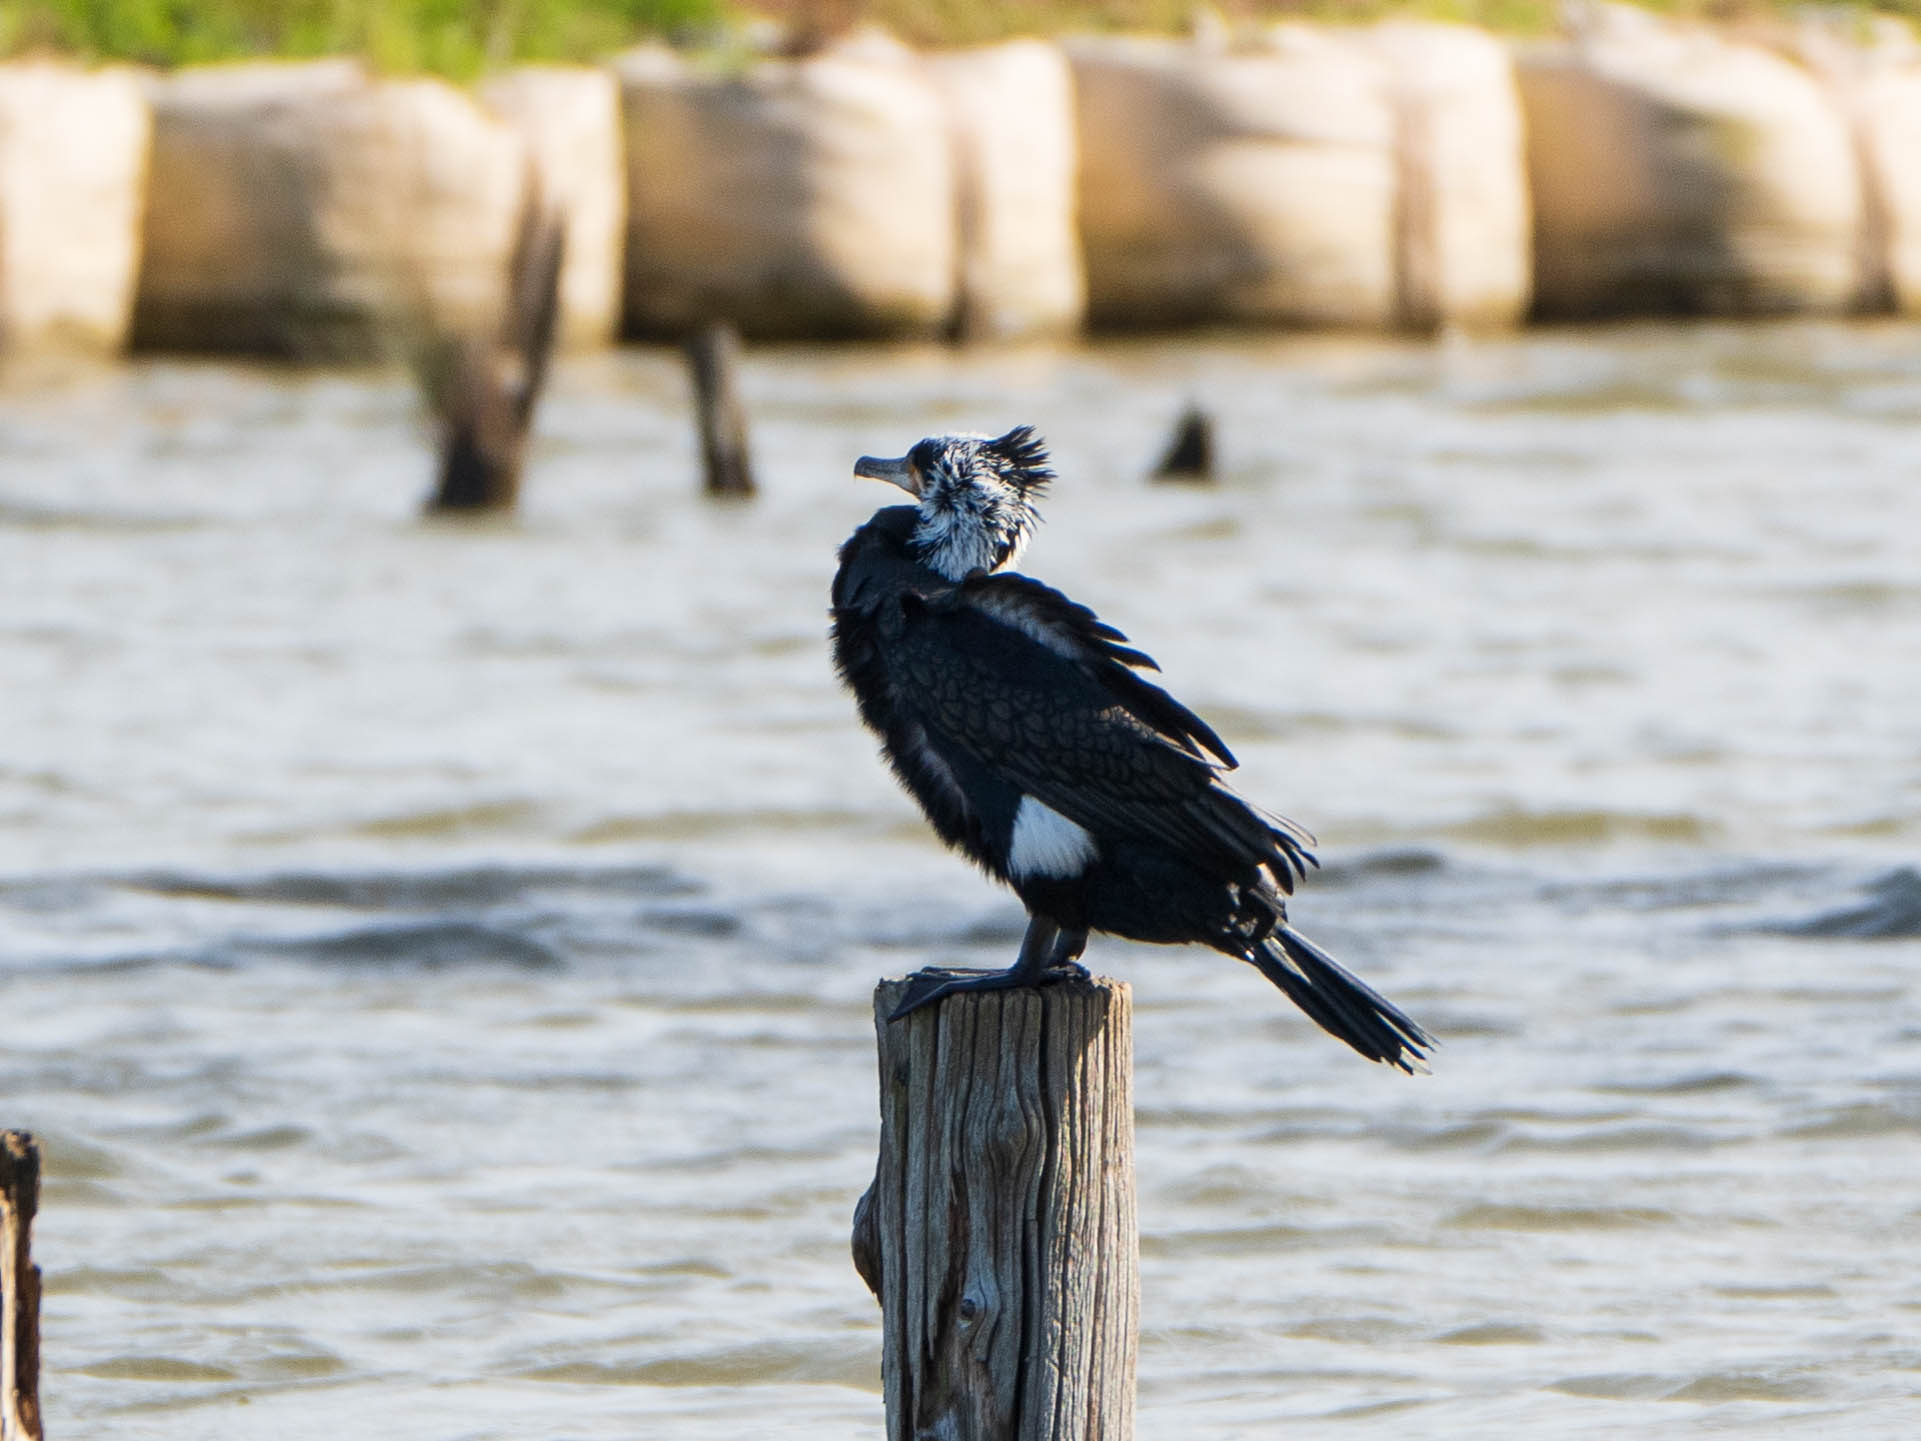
<point x="711" y="356"/>
<point x="1190" y="451"/>
<point x="483" y="392"/>
<point x="999" y="1233"/>
<point x="19" y="1289"/>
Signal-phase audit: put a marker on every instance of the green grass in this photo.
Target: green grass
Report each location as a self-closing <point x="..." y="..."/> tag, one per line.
<point x="446" y="37"/>
<point x="952" y="22"/>
<point x="461" y="40"/>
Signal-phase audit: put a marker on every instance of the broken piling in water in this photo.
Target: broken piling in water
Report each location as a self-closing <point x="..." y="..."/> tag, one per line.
<point x="19" y="1289"/>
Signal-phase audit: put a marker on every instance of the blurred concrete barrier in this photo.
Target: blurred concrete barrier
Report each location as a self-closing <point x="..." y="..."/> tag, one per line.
<point x="1888" y="114"/>
<point x="1873" y="75"/>
<point x="569" y="119"/>
<point x="1463" y="239"/>
<point x="295" y="208"/>
<point x="1405" y="175"/>
<point x="73" y="168"/>
<point x="809" y="197"/>
<point x="1676" y="171"/>
<point x="1251" y="186"/>
<point x="1317" y="176"/>
<point x="1016" y="158"/>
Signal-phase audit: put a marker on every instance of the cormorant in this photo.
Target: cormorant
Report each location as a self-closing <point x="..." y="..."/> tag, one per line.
<point x="1023" y="726"/>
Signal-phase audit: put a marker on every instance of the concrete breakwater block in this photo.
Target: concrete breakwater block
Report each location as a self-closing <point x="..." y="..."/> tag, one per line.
<point x="1463" y="232"/>
<point x="569" y="118"/>
<point x="1874" y="79"/>
<point x="1315" y="176"/>
<point x="1256" y="185"/>
<point x="295" y="209"/>
<point x="1010" y="109"/>
<point x="73" y="169"/>
<point x="1889" y="134"/>
<point x="1677" y="171"/>
<point x="807" y="197"/>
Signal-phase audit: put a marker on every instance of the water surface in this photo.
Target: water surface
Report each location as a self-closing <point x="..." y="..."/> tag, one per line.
<point x="436" y="957"/>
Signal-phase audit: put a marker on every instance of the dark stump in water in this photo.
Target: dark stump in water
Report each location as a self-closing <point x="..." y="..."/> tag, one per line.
<point x="483" y="391"/>
<point x="713" y="356"/>
<point x="1190" y="453"/>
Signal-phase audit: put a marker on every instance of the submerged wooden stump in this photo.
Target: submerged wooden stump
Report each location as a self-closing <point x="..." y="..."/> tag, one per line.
<point x="999" y="1234"/>
<point x="1190" y="450"/>
<point x="19" y="1289"/>
<point x="713" y="357"/>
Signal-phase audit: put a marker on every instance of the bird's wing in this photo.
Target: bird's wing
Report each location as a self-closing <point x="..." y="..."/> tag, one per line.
<point x="1075" y="633"/>
<point x="1031" y="707"/>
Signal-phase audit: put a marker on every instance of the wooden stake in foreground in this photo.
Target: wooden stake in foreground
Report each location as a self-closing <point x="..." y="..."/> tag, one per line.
<point x="999" y="1233"/>
<point x="712" y="356"/>
<point x="19" y="1289"/>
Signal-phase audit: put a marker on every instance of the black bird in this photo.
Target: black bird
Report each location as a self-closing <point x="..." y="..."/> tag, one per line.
<point x="1025" y="729"/>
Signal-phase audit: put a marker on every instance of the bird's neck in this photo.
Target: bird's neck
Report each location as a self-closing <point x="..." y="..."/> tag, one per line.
<point x="956" y="543"/>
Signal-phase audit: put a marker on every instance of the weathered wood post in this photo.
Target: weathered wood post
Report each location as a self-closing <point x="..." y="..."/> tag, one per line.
<point x="483" y="391"/>
<point x="712" y="356"/>
<point x="1190" y="450"/>
<point x="19" y="1289"/>
<point x="999" y="1234"/>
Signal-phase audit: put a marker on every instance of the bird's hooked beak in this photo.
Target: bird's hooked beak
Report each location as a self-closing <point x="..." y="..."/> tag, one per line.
<point x="901" y="472"/>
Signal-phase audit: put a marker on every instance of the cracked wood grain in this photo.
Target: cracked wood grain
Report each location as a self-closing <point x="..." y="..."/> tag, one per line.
<point x="999" y="1234"/>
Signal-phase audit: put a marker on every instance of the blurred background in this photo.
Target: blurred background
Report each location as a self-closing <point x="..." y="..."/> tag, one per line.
<point x="442" y="882"/>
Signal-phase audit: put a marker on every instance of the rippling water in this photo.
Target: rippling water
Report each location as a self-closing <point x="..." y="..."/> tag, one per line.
<point x="436" y="957"/>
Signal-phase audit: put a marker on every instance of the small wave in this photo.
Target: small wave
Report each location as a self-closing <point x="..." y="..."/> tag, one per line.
<point x="1489" y="1217"/>
<point x="1395" y="863"/>
<point x="1514" y="826"/>
<point x="1615" y="1138"/>
<point x="449" y="821"/>
<point x="853" y="1362"/>
<point x="147" y="1284"/>
<point x="1720" y="1386"/>
<point x="1856" y="596"/>
<point x="1493" y="1333"/>
<point x="1257" y="1240"/>
<point x="1471" y="1136"/>
<point x="716" y="825"/>
<point x="1615" y="1386"/>
<point x="1720" y="885"/>
<point x="156" y="1368"/>
<point x="704" y="923"/>
<point x="499" y="1282"/>
<point x="1859" y="1121"/>
<point x="429" y="944"/>
<point x="1815" y="1291"/>
<point x="71" y="1159"/>
<point x="1357" y="1330"/>
<point x="266" y="1138"/>
<point x="1693" y="1083"/>
<point x="28" y="515"/>
<point x="417" y="890"/>
<point x="1892" y="911"/>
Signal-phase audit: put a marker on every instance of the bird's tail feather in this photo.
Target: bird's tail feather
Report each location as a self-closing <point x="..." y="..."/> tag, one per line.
<point x="1339" y="1002"/>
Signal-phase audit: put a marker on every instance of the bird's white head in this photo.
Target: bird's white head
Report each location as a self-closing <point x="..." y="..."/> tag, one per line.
<point x="976" y="496"/>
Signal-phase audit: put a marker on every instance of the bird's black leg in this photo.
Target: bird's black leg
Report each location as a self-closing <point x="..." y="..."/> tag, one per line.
<point x="1066" y="952"/>
<point x="1047" y="955"/>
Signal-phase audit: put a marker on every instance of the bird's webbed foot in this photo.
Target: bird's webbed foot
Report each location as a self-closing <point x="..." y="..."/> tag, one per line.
<point x="1046" y="958"/>
<point x="936" y="983"/>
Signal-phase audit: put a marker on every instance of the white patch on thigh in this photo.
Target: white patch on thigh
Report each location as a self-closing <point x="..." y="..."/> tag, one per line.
<point x="1047" y="843"/>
